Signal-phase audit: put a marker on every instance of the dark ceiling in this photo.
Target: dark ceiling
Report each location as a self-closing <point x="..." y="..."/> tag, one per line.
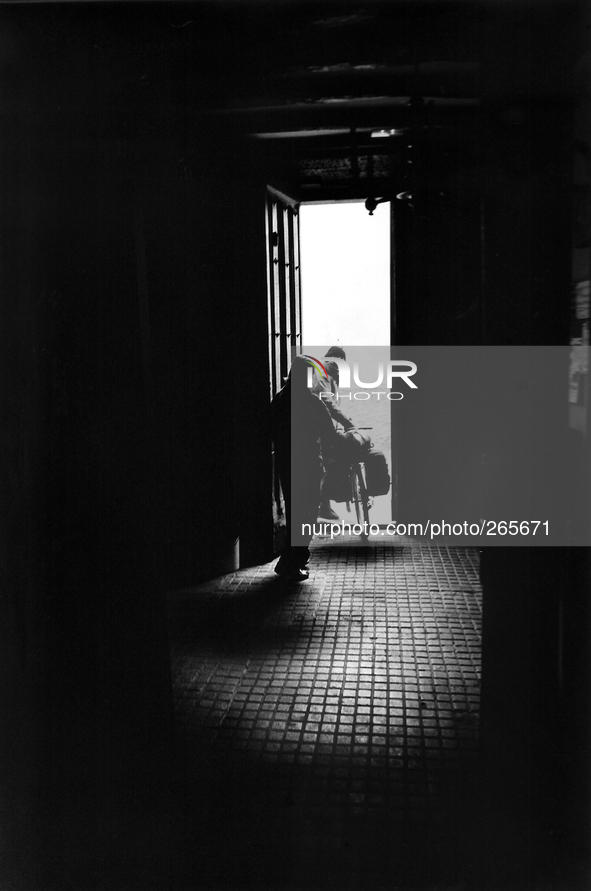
<point x="342" y="98"/>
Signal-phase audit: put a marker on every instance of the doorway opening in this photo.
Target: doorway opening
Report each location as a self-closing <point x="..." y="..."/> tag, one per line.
<point x="345" y="257"/>
<point x="346" y="302"/>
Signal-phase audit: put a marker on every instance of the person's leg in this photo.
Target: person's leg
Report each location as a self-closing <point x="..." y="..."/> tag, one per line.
<point x="326" y="511"/>
<point x="307" y="514"/>
<point x="293" y="557"/>
<point x="301" y="504"/>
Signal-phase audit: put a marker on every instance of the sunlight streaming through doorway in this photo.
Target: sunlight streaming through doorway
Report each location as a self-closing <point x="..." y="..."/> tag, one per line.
<point x="345" y="259"/>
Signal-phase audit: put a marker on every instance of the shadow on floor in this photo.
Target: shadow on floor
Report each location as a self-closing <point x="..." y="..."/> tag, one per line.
<point x="233" y="622"/>
<point x="253" y="825"/>
<point x="327" y="731"/>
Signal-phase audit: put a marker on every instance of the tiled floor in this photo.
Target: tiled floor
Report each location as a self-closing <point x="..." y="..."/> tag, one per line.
<point x="328" y="729"/>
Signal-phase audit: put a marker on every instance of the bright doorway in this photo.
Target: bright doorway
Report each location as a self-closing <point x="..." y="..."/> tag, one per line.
<point x="346" y="301"/>
<point x="345" y="259"/>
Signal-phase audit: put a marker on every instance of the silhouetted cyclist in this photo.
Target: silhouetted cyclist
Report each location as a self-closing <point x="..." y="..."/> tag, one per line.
<point x="327" y="391"/>
<point x="304" y="435"/>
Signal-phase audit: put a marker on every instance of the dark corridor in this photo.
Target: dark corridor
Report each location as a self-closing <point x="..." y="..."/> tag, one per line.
<point x="329" y="730"/>
<point x="138" y="143"/>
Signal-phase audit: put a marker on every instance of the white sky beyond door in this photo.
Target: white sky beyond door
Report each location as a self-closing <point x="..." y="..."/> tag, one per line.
<point x="345" y="257"/>
<point x="345" y="278"/>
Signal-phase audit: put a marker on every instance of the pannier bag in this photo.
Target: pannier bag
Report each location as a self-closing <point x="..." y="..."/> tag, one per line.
<point x="353" y="445"/>
<point x="376" y="473"/>
<point x="337" y="484"/>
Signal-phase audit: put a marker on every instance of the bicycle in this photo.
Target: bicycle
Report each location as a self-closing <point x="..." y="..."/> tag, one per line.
<point x="358" y="490"/>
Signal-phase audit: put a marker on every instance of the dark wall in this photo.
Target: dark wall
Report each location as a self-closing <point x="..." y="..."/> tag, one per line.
<point x="134" y="395"/>
<point x="536" y="668"/>
<point x="505" y="278"/>
<point x="202" y="224"/>
<point x="482" y="251"/>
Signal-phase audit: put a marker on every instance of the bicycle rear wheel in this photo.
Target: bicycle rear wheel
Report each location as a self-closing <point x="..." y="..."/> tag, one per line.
<point x="359" y="497"/>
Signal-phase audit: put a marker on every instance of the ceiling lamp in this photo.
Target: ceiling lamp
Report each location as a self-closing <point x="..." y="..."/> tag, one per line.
<point x="385" y="134"/>
<point x="371" y="203"/>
